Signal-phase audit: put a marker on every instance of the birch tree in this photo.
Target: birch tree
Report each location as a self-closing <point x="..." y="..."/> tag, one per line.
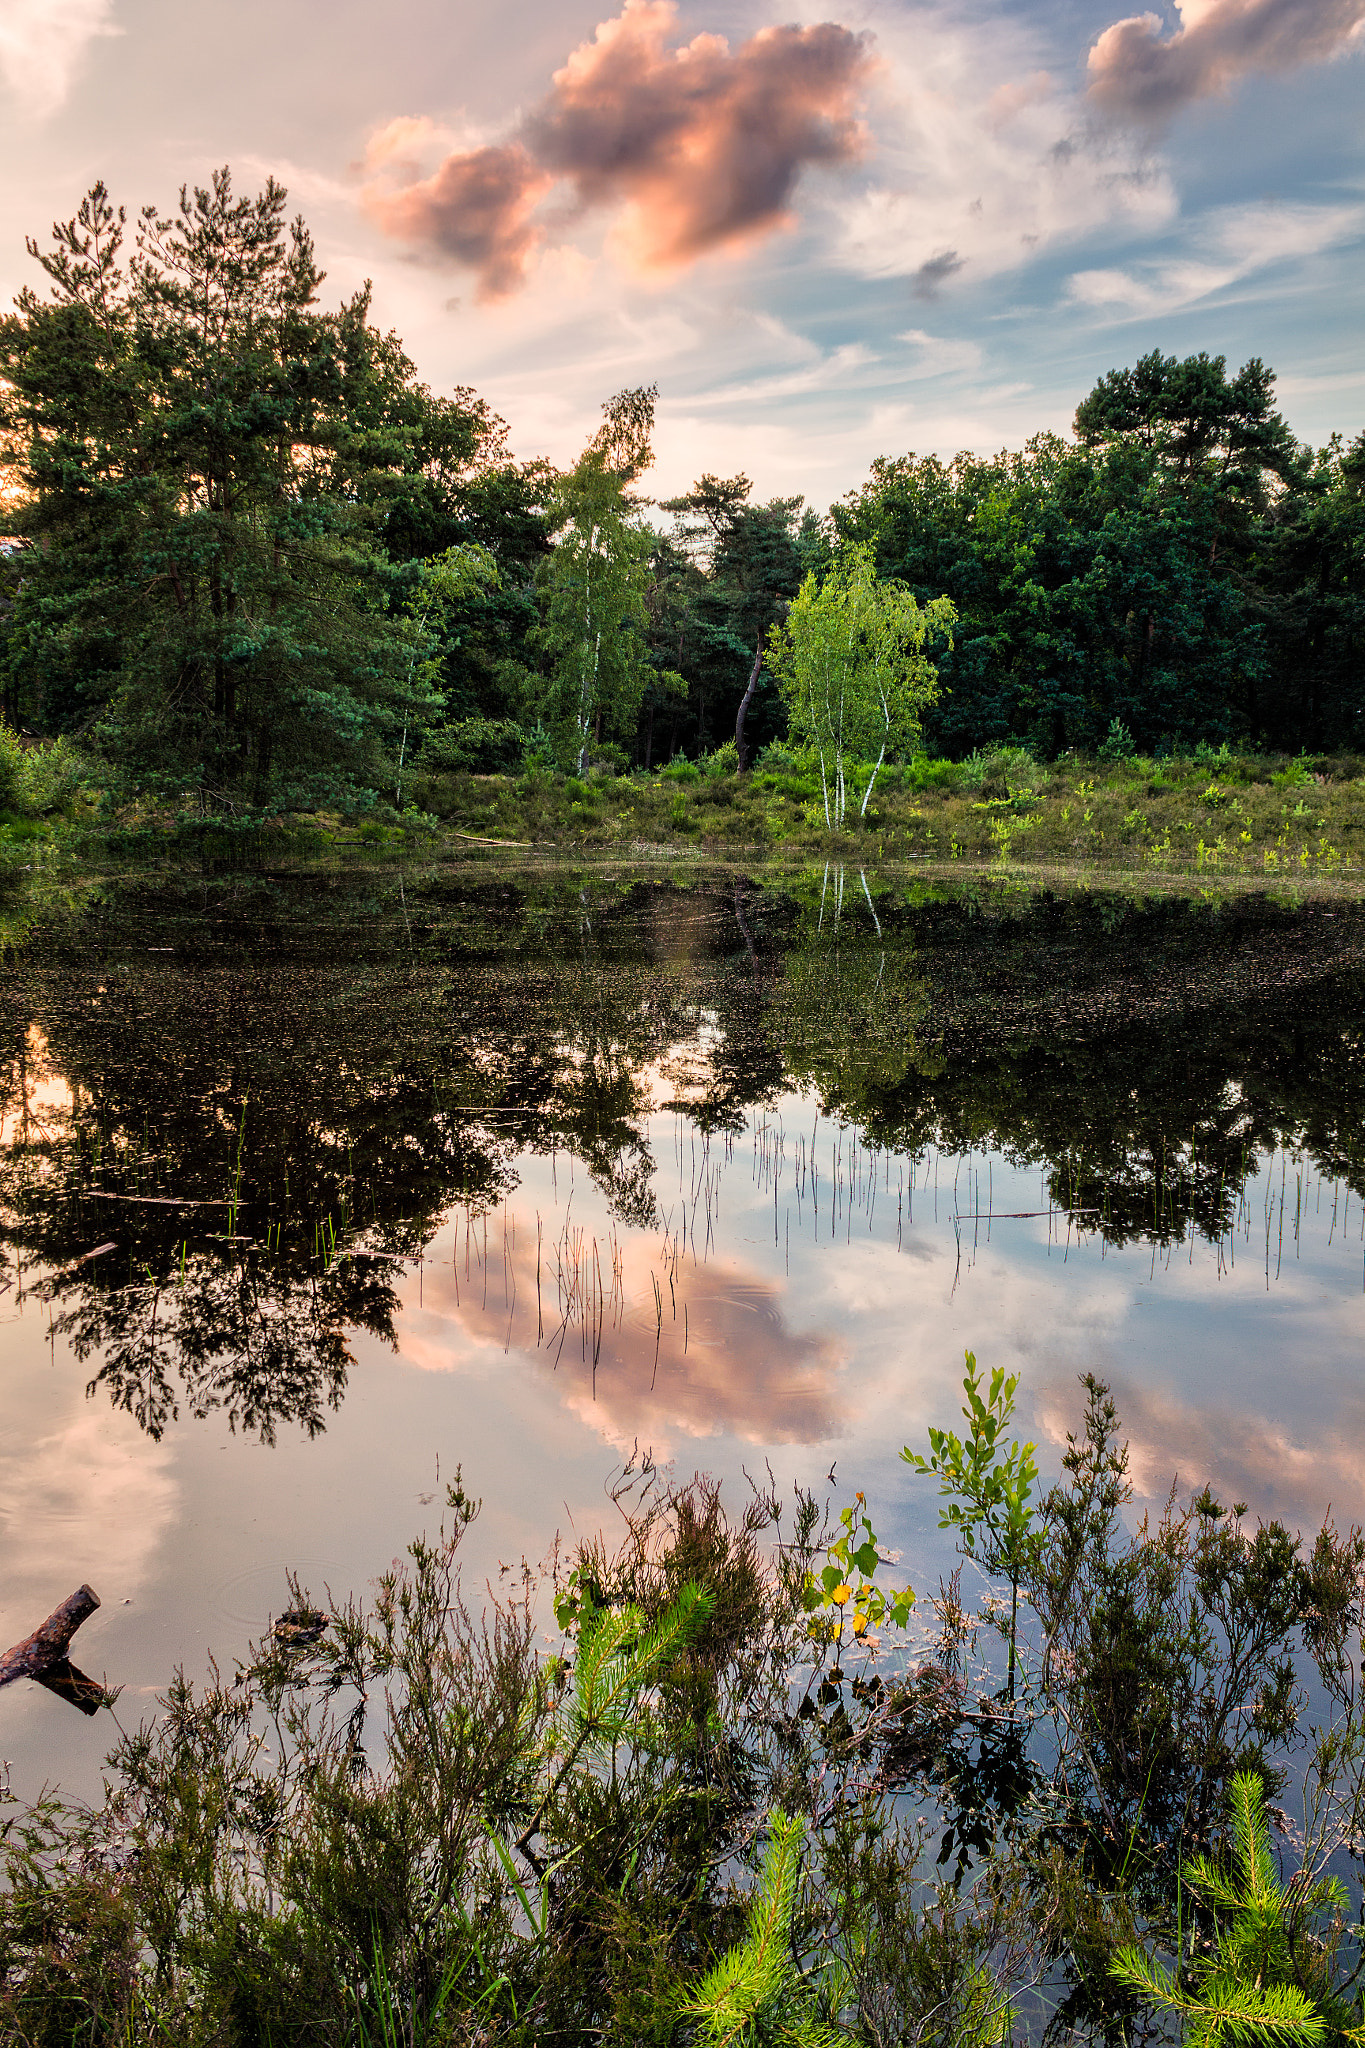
<point x="849" y="659"/>
<point x="593" y="584"/>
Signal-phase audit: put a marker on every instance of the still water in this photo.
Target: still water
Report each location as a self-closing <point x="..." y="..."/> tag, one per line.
<point x="312" y="1189"/>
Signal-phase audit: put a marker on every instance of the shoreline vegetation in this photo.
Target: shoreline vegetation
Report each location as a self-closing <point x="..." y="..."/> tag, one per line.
<point x="253" y="570"/>
<point x="1241" y="818"/>
<point x="746" y="1790"/>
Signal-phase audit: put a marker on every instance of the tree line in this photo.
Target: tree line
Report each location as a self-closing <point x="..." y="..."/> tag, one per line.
<point x="255" y="564"/>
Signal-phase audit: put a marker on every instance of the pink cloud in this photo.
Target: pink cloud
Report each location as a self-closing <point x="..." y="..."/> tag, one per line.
<point x="698" y="147"/>
<point x="1141" y="74"/>
<point x="727" y="1362"/>
<point x="476" y="208"/>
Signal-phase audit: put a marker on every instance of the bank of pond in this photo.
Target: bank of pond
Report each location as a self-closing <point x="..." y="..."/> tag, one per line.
<point x="1215" y="813"/>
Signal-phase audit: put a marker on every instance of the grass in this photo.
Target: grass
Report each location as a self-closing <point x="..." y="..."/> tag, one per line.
<point x="1212" y="813"/>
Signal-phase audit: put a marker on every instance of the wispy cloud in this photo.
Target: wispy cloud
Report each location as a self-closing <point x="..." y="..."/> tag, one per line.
<point x="691" y="148"/>
<point x="985" y="159"/>
<point x="42" y="44"/>
<point x="1141" y="74"/>
<point x="1227" y="246"/>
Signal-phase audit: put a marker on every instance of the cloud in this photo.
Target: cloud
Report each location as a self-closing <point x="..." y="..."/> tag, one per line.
<point x="985" y="158"/>
<point x="727" y="1362"/>
<point x="1140" y="74"/>
<point x="1242" y="1453"/>
<point x="696" y="148"/>
<point x="87" y="1496"/>
<point x="476" y="208"/>
<point x="928" y="281"/>
<point x="1227" y="246"/>
<point x="41" y="44"/>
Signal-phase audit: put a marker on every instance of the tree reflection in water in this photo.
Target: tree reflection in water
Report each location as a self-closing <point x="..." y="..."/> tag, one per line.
<point x="263" y="1100"/>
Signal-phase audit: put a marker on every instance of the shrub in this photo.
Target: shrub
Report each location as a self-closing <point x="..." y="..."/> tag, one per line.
<point x="39" y="779"/>
<point x="1002" y="772"/>
<point x="926" y="773"/>
<point x="483" y="746"/>
<point x="688" y="1820"/>
<point x="723" y="760"/>
<point x="1118" y="744"/>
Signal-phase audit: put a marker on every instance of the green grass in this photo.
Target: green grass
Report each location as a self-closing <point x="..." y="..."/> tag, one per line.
<point x="1233" y="814"/>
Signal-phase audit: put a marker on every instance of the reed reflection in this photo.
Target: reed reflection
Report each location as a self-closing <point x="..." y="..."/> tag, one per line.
<point x="222" y="1157"/>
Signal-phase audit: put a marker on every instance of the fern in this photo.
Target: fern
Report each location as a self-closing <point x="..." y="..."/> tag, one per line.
<point x="755" y="1991"/>
<point x="1249" y="1991"/>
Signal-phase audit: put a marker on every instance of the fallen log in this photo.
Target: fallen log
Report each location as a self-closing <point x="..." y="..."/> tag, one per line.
<point x="42" y="1656"/>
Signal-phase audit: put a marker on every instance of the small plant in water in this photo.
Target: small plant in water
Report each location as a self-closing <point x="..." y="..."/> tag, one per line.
<point x="843" y="1589"/>
<point x="986" y="1488"/>
<point x="1268" y="1976"/>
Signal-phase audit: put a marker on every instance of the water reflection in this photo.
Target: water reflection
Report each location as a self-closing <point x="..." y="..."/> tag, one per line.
<point x="223" y="1149"/>
<point x="321" y="1186"/>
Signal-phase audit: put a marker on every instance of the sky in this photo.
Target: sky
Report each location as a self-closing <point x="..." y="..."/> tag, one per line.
<point x="849" y="229"/>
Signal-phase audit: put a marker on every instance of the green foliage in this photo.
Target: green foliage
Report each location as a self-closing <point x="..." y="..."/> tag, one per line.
<point x="37" y="780"/>
<point x="1268" y="1976"/>
<point x="1171" y="1655"/>
<point x="848" y="659"/>
<point x="564" y="1845"/>
<point x="722" y="760"/>
<point x="484" y="746"/>
<point x="1117" y="744"/>
<point x="593" y="584"/>
<point x="844" y="1590"/>
<point x="1161" y="572"/>
<point x="214" y="472"/>
<point x="1000" y="772"/>
<point x="986" y="1488"/>
<point x="754" y="1994"/>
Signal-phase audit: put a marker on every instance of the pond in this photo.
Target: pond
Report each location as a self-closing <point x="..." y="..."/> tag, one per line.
<point x="316" y="1187"/>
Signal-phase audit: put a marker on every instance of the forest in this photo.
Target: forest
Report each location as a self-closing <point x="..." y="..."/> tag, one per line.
<point x="254" y="566"/>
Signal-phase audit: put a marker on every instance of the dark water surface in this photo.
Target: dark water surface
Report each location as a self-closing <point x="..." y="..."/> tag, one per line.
<point x="383" y="1173"/>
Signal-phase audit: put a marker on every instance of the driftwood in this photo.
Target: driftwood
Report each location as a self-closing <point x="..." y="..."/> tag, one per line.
<point x="43" y="1655"/>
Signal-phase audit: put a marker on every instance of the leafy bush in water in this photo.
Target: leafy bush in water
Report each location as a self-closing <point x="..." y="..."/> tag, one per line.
<point x="1274" y="1971"/>
<point x="688" y="1822"/>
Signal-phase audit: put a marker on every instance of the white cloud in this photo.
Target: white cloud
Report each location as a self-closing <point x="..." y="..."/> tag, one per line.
<point x="985" y="159"/>
<point x="42" y="43"/>
<point x="939" y="355"/>
<point x="89" y="1497"/>
<point x="1224" y="248"/>
<point x="838" y="366"/>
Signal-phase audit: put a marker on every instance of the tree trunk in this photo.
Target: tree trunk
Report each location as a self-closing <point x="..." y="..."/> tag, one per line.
<point x="754" y="673"/>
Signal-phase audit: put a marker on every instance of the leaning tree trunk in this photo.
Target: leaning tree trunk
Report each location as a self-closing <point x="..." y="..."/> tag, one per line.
<point x="754" y="673"/>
